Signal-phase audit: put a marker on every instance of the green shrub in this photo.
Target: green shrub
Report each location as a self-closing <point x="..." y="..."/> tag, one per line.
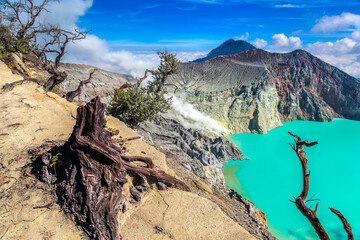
<point x="55" y="89"/>
<point x="54" y="160"/>
<point x="135" y="105"/>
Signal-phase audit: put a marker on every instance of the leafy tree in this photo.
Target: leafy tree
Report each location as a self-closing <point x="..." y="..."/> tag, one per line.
<point x="168" y="65"/>
<point x="134" y="104"/>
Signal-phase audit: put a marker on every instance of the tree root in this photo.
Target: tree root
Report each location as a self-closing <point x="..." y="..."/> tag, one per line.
<point x="10" y="86"/>
<point x="91" y="171"/>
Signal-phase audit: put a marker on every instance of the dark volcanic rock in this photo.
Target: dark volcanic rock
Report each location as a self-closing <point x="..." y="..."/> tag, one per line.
<point x="202" y="154"/>
<point x="255" y="90"/>
<point x="229" y="47"/>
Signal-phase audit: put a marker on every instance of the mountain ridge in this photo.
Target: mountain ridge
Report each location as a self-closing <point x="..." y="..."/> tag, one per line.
<point x="255" y="90"/>
<point x="228" y="47"/>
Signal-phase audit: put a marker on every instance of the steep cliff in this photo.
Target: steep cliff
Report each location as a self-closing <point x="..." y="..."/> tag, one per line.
<point x="255" y="90"/>
<point x="203" y="155"/>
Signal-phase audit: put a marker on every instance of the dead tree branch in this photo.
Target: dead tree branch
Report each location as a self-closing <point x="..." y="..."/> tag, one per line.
<point x="31" y="11"/>
<point x="127" y="85"/>
<point x="73" y="94"/>
<point x="344" y="222"/>
<point x="24" y="14"/>
<point x="300" y="201"/>
<point x="9" y="86"/>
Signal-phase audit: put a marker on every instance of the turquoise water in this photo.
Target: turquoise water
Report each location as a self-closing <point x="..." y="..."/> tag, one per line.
<point x="273" y="175"/>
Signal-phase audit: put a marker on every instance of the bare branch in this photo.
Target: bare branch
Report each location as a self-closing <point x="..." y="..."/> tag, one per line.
<point x="71" y="95"/>
<point x="294" y="136"/>
<point x="344" y="222"/>
<point x="127" y="85"/>
<point x="301" y="199"/>
<point x="316" y="208"/>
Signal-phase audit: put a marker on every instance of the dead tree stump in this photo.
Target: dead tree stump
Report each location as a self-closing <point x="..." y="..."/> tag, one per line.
<point x="91" y="171"/>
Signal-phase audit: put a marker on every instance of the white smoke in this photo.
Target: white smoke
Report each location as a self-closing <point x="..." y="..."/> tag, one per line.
<point x="189" y="117"/>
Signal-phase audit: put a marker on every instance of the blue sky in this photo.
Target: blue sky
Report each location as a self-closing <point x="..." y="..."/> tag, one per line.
<point x="125" y="35"/>
<point x="198" y="25"/>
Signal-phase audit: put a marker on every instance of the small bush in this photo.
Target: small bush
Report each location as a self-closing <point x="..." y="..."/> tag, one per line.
<point x="53" y="163"/>
<point x="135" y="105"/>
<point x="55" y="89"/>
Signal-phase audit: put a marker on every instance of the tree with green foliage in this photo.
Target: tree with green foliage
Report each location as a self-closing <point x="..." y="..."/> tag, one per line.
<point x="134" y="104"/>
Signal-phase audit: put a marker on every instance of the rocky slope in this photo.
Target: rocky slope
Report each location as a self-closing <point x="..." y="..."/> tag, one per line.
<point x="29" y="209"/>
<point x="228" y="47"/>
<point x="190" y="150"/>
<point x="102" y="82"/>
<point x="255" y="90"/>
<point x="203" y="155"/>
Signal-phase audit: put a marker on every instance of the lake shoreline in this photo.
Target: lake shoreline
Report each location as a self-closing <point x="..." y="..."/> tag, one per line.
<point x="248" y="178"/>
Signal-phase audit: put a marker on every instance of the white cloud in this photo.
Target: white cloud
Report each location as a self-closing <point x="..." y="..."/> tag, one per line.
<point x="66" y="13"/>
<point x="190" y="56"/>
<point x="339" y="47"/>
<point x="280" y="41"/>
<point x="353" y="68"/>
<point x="95" y="51"/>
<point x="337" y="23"/>
<point x="343" y="53"/>
<point x="243" y="37"/>
<point x="288" y="6"/>
<point x="259" y="43"/>
<point x="356" y="35"/>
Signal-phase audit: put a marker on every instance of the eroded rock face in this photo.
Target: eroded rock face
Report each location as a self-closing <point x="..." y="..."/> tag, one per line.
<point x="198" y="152"/>
<point x="255" y="90"/>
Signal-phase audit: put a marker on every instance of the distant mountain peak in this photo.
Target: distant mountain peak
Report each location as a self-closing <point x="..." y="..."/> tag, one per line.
<point x="230" y="46"/>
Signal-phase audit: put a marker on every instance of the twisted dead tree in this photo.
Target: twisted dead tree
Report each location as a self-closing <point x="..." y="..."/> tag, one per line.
<point x="58" y="40"/>
<point x="22" y="16"/>
<point x="301" y="201"/>
<point x="16" y="12"/>
<point x="137" y="84"/>
<point x="91" y="171"/>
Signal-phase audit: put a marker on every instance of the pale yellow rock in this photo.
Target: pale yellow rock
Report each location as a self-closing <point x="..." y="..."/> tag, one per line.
<point x="6" y="75"/>
<point x="175" y="214"/>
<point x="202" y="186"/>
<point x="27" y="118"/>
